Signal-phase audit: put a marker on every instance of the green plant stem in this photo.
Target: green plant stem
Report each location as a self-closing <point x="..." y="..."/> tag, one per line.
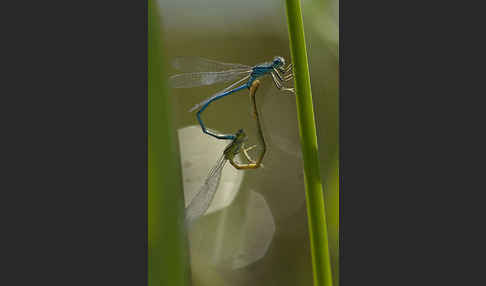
<point x="168" y="262"/>
<point x="321" y="264"/>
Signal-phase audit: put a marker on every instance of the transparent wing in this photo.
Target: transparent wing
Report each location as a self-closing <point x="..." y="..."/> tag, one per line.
<point x="218" y="93"/>
<point x="186" y="80"/>
<point x="195" y="64"/>
<point x="200" y="203"/>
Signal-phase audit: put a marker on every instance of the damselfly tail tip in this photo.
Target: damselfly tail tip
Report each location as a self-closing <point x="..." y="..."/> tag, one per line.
<point x="194" y="108"/>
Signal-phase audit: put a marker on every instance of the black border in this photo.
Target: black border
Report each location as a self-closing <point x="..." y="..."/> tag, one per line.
<point x="146" y="142"/>
<point x="74" y="107"/>
<point x="403" y="88"/>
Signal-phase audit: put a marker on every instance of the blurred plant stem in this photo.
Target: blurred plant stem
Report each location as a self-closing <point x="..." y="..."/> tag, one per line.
<point x="305" y="113"/>
<point x="168" y="262"/>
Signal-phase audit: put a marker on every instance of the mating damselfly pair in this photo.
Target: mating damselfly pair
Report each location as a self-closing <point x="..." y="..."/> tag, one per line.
<point x="208" y="72"/>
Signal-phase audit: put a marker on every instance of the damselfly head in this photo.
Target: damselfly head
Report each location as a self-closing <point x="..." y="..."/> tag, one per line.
<point x="235" y="146"/>
<point x="278" y="62"/>
<point x="240" y="135"/>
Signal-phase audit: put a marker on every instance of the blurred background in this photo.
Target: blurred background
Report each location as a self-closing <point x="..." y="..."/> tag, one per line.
<point x="256" y="230"/>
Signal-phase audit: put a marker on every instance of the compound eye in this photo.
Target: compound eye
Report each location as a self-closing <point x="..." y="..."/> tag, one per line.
<point x="279" y="62"/>
<point x="241" y="133"/>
